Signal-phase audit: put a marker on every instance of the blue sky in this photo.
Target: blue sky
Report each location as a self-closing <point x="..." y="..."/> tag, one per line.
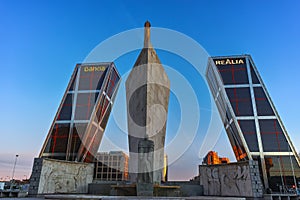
<point x="41" y="41"/>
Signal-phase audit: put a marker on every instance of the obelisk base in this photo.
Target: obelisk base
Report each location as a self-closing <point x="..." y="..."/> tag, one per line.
<point x="144" y="189"/>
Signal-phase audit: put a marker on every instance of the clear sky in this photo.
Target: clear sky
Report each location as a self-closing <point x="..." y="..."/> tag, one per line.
<point x="41" y="41"/>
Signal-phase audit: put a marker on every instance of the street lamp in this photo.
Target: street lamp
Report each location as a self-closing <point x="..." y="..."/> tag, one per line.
<point x="13" y="173"/>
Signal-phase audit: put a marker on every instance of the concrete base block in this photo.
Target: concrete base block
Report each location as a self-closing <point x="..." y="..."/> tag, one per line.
<point x="56" y="176"/>
<point x="233" y="179"/>
<point x="144" y="189"/>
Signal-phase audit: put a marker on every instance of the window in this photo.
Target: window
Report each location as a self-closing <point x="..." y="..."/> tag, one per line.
<point x="59" y="138"/>
<point x="272" y="136"/>
<point x="262" y="104"/>
<point x="240" y="101"/>
<point x="84" y="105"/>
<point x="77" y="136"/>
<point x="249" y="132"/>
<point x="236" y="143"/>
<point x="234" y="73"/>
<point x="66" y="110"/>
<point x="91" y="77"/>
<point x="281" y="173"/>
<point x="253" y="75"/>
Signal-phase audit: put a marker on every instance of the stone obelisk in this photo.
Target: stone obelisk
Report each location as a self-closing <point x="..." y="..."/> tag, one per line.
<point x="147" y="97"/>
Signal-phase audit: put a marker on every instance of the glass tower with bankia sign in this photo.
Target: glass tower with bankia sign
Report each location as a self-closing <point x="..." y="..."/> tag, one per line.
<point x="80" y="121"/>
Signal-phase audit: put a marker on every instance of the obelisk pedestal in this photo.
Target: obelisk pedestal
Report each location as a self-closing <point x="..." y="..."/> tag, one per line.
<point x="144" y="186"/>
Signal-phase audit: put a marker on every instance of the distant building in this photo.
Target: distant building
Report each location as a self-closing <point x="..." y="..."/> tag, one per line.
<point x="212" y="158"/>
<point x="112" y="166"/>
<point x="252" y="123"/>
<point x="2" y="184"/>
<point x="77" y="129"/>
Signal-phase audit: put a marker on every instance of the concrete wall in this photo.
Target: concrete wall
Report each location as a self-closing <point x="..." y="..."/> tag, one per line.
<point x="56" y="176"/>
<point x="101" y="187"/>
<point x="35" y="176"/>
<point x="234" y="179"/>
<point x="187" y="188"/>
<point x="114" y="188"/>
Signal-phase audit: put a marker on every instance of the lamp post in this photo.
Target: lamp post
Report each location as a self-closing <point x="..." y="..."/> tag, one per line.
<point x="13" y="173"/>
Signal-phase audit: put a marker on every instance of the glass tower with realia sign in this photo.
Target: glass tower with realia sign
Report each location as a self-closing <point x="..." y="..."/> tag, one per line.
<point x="79" y="124"/>
<point x="252" y="123"/>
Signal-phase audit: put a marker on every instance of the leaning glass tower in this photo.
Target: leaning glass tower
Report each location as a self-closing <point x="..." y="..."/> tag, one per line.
<point x="79" y="124"/>
<point x="252" y="123"/>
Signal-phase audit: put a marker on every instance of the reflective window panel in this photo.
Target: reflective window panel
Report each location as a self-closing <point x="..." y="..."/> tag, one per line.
<point x="76" y="139"/>
<point x="253" y="75"/>
<point x="59" y="139"/>
<point x="236" y="143"/>
<point x="112" y="82"/>
<point x="66" y="110"/>
<point x="232" y="70"/>
<point x="249" y="132"/>
<point x="73" y="80"/>
<point x="240" y="101"/>
<point x="92" y="77"/>
<point x="283" y="173"/>
<point x="262" y="104"/>
<point x="272" y="136"/>
<point x="85" y="105"/>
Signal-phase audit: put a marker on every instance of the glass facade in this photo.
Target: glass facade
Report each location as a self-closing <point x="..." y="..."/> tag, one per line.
<point x="282" y="172"/>
<point x="78" y="127"/>
<point x="112" y="166"/>
<point x="252" y="124"/>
